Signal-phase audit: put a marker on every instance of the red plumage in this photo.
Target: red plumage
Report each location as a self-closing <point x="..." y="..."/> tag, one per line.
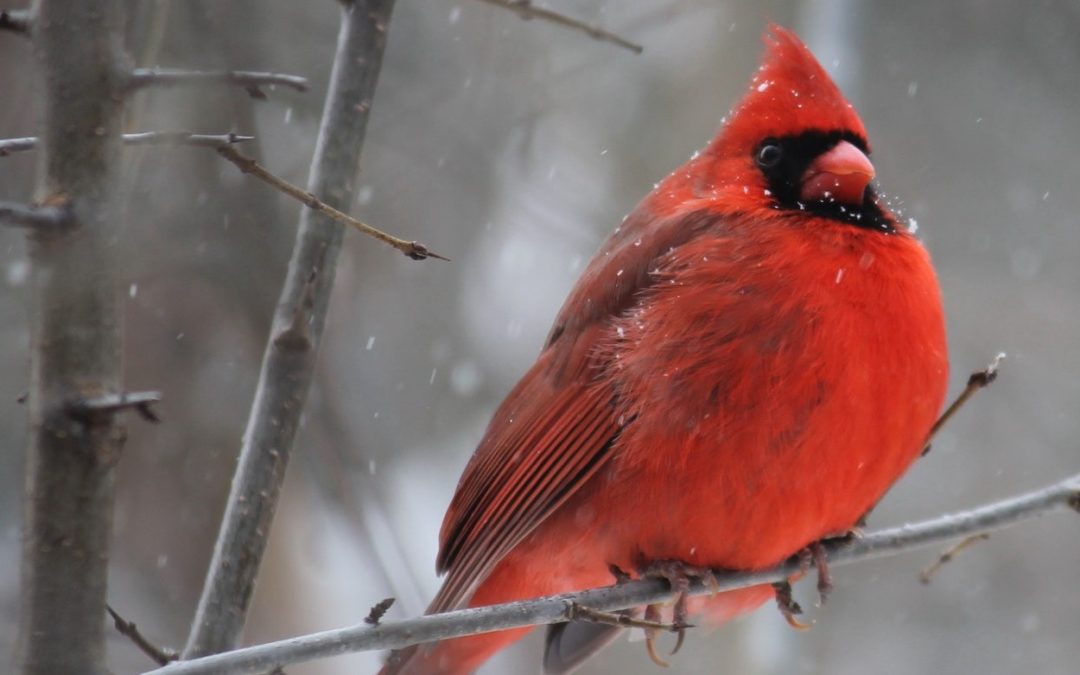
<point x="754" y="356"/>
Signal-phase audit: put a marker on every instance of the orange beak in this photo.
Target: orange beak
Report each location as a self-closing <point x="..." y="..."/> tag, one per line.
<point x="840" y="175"/>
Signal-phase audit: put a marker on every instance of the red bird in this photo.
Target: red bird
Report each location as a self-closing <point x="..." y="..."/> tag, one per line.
<point x="753" y="357"/>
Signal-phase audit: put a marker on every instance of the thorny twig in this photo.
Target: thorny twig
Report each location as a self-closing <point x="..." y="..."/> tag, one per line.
<point x="412" y="249"/>
<point x="160" y="655"/>
<point x="978" y="380"/>
<point x="527" y="10"/>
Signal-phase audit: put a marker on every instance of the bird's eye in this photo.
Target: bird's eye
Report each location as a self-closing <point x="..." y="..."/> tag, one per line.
<point x="769" y="155"/>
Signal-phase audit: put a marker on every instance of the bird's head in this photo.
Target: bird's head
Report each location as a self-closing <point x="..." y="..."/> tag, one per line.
<point x="792" y="143"/>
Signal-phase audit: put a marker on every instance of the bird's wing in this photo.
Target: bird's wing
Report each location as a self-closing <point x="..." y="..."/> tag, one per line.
<point x="557" y="426"/>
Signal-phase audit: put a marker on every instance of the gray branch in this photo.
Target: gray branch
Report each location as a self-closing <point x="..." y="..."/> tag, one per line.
<point x="16" y="21"/>
<point x="34" y="217"/>
<point x="75" y="342"/>
<point x="252" y="82"/>
<point x="527" y="10"/>
<point x="289" y="359"/>
<point x="10" y="145"/>
<point x="557" y="609"/>
<point x="91" y="410"/>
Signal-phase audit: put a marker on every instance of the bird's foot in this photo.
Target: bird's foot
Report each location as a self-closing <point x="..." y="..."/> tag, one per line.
<point x="678" y="575"/>
<point x="815" y="555"/>
<point x="788" y="607"/>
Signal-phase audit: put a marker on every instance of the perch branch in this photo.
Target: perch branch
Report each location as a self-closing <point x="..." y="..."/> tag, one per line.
<point x="252" y="82"/>
<point x="290" y="355"/>
<point x="556" y="609"/>
<point x="412" y="249"/>
<point x="10" y="145"/>
<point x="526" y="10"/>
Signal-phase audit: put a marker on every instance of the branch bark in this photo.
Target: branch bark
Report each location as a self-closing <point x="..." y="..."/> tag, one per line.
<point x="76" y="343"/>
<point x="251" y="81"/>
<point x="34" y="217"/>
<point x="16" y="21"/>
<point x="556" y="609"/>
<point x="289" y="359"/>
<point x="10" y="145"/>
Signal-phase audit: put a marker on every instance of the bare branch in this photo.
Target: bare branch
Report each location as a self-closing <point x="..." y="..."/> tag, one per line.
<point x="18" y="21"/>
<point x="412" y="249"/>
<point x="556" y="609"/>
<point x="35" y="217"/>
<point x="10" y="145"/>
<point x="252" y="82"/>
<point x="978" y="380"/>
<point x="76" y="343"/>
<point x="289" y="359"/>
<point x="92" y="410"/>
<point x="526" y="10"/>
<point x="128" y="629"/>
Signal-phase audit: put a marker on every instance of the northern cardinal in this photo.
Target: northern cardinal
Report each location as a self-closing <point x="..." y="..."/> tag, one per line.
<point x="753" y="357"/>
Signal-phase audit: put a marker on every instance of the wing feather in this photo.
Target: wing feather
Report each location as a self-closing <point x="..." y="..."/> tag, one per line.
<point x="556" y="427"/>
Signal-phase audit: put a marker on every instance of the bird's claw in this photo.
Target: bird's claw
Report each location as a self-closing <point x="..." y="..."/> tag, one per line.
<point x="788" y="607"/>
<point x="678" y="575"/>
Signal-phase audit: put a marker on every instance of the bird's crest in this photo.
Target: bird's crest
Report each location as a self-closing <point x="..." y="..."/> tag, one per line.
<point x="789" y="94"/>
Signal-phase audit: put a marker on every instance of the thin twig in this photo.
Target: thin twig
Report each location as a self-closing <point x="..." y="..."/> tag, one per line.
<point x="34" y="217"/>
<point x="980" y="379"/>
<point x="251" y="81"/>
<point x="578" y="612"/>
<point x="10" y="145"/>
<point x="16" y="21"/>
<point x="289" y="358"/>
<point x="556" y="609"/>
<point x="412" y="249"/>
<point x="160" y="655"/>
<point x="526" y="10"/>
<point x="928" y="572"/>
<point x="99" y="407"/>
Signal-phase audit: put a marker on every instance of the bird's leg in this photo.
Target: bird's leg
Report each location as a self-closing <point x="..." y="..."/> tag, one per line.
<point x="678" y="575"/>
<point x="821" y="562"/>
<point x="817" y="555"/>
<point x="788" y="607"/>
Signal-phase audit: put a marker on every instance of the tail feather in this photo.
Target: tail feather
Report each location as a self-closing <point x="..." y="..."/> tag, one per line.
<point x="568" y="645"/>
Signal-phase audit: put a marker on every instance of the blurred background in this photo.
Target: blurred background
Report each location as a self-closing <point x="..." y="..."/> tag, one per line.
<point x="514" y="147"/>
